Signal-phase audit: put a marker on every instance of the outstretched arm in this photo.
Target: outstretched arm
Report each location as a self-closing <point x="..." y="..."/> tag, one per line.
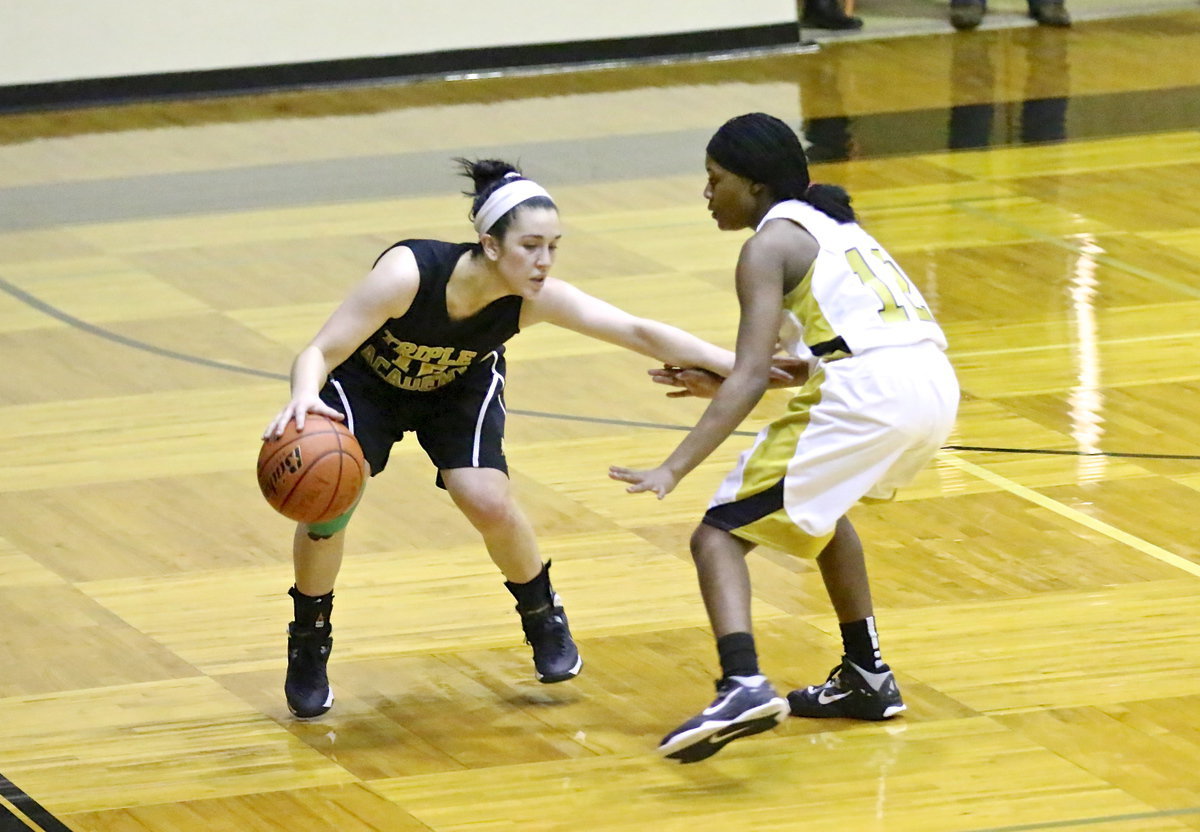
<point x="564" y="305"/>
<point x="760" y="280"/>
<point x="786" y="371"/>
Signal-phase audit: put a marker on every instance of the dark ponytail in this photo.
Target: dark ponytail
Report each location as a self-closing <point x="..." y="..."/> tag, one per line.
<point x="486" y="176"/>
<point x="831" y="200"/>
<point x="764" y="149"/>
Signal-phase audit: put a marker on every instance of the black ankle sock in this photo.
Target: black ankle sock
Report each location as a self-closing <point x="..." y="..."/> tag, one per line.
<point x="312" y="612"/>
<point x="534" y="595"/>
<point x="738" y="657"/>
<point x="861" y="645"/>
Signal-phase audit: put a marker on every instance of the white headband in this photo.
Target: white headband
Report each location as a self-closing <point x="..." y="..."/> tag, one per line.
<point x="504" y="199"/>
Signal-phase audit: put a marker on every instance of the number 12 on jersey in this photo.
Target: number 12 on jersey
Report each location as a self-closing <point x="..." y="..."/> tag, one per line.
<point x="899" y="299"/>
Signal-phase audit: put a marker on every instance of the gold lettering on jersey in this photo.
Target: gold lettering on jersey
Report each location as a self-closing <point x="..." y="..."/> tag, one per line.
<point x="898" y="297"/>
<point x="416" y="367"/>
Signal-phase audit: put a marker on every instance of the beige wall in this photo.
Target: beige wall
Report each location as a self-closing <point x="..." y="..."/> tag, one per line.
<point x="60" y="40"/>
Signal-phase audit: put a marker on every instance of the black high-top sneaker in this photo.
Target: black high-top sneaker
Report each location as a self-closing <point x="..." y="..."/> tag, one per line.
<point x="555" y="656"/>
<point x="307" y="684"/>
<point x="851" y="693"/>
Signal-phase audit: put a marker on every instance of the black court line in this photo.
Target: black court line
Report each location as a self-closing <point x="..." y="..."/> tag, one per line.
<point x="29" y="807"/>
<point x="109" y="335"/>
<point x="10" y="822"/>
<point x="1096" y="821"/>
<point x="154" y="349"/>
<point x="1053" y="452"/>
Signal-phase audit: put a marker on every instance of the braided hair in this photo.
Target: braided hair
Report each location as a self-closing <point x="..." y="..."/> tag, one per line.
<point x="764" y="149"/>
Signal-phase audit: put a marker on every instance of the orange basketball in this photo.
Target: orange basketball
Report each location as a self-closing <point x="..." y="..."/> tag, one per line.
<point x="314" y="475"/>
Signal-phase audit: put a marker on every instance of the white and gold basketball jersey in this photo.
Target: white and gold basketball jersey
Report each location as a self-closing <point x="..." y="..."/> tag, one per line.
<point x="854" y="291"/>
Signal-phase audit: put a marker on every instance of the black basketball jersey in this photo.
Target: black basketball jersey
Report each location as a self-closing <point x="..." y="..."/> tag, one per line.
<point x="424" y="350"/>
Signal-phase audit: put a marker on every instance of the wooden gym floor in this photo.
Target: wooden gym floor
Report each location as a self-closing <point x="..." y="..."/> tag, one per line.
<point x="1038" y="589"/>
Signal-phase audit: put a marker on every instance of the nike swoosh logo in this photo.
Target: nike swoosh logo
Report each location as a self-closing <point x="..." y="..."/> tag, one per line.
<point x="825" y="697"/>
<point x="720" y="703"/>
<point x="739" y="731"/>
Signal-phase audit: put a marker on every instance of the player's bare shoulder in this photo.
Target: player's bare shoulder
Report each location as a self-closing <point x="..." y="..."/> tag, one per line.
<point x="789" y="236"/>
<point x="394" y="279"/>
<point x="788" y="244"/>
<point x="397" y="263"/>
<point x="781" y="244"/>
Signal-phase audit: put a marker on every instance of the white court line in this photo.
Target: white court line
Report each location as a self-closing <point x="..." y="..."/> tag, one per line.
<point x="1156" y="552"/>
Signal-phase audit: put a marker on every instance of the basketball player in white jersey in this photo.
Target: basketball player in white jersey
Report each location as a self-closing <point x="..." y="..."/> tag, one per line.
<point x="879" y="400"/>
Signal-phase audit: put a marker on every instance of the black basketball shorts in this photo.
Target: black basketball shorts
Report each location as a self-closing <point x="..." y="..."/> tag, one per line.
<point x="460" y="426"/>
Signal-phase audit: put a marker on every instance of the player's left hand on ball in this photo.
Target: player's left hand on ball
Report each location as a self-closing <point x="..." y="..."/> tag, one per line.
<point x="659" y="480"/>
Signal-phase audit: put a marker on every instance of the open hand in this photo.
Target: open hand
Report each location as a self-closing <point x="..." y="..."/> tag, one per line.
<point x="297" y="409"/>
<point x="659" y="480"/>
<point x="693" y="381"/>
<point x="786" y="371"/>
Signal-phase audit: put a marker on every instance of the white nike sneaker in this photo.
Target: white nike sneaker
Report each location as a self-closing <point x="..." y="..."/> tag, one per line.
<point x="850" y="693"/>
<point x="744" y="705"/>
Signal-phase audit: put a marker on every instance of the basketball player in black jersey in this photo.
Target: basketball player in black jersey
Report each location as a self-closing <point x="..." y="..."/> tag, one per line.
<point x="418" y="346"/>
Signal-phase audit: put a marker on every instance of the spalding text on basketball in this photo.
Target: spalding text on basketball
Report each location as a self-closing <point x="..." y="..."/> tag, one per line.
<point x="291" y="463"/>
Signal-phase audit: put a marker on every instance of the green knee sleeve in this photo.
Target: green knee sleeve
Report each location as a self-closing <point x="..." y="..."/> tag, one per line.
<point x="321" y="531"/>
